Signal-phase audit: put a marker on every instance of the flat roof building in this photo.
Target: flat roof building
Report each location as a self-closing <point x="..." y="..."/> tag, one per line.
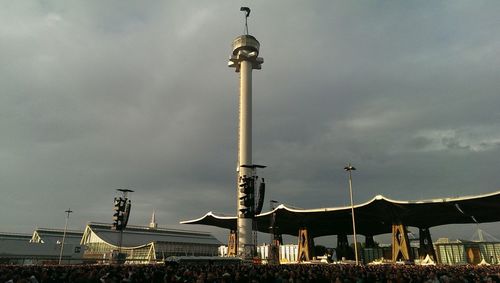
<point x="42" y="246"/>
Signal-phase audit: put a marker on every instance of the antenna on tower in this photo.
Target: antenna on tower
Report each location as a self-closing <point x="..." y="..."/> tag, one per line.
<point x="247" y="14"/>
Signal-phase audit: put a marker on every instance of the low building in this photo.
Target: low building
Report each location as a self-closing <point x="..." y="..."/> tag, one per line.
<point x="13" y="247"/>
<point x="467" y="252"/>
<point x="41" y="247"/>
<point x="144" y="244"/>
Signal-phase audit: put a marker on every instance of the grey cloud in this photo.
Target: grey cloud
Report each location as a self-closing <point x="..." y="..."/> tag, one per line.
<point x="97" y="96"/>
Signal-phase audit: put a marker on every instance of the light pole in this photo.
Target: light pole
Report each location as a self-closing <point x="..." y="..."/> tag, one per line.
<point x="273" y="257"/>
<point x="123" y="215"/>
<point x="64" y="234"/>
<point x="349" y="168"/>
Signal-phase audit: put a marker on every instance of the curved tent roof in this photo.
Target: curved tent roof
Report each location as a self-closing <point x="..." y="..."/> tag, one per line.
<point x="373" y="217"/>
<point x="138" y="236"/>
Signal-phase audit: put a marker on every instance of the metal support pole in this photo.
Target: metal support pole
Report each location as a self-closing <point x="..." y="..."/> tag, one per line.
<point x="273" y="253"/>
<point x="64" y="234"/>
<point x="120" y="242"/>
<point x="350" y="168"/>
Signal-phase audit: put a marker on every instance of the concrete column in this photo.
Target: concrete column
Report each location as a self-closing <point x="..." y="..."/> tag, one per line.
<point x="245" y="245"/>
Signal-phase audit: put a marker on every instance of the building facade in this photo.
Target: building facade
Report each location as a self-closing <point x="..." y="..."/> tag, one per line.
<point x="467" y="252"/>
<point x="41" y="247"/>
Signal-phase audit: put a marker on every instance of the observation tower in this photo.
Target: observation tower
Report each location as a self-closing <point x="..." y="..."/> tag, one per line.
<point x="244" y="58"/>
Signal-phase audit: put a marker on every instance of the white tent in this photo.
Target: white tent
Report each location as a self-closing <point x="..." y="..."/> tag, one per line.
<point x="427" y="261"/>
<point x="483" y="262"/>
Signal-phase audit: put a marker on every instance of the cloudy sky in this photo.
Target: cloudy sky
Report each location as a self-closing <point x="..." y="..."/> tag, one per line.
<point x="101" y="95"/>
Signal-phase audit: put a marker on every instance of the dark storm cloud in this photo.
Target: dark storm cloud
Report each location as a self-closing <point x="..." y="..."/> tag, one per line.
<point x="99" y="96"/>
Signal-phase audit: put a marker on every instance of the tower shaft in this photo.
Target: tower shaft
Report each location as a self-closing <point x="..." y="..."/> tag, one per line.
<point x="245" y="243"/>
<point x="245" y="117"/>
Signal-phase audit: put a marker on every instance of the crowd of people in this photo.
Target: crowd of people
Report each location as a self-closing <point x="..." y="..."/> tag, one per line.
<point x="297" y="273"/>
